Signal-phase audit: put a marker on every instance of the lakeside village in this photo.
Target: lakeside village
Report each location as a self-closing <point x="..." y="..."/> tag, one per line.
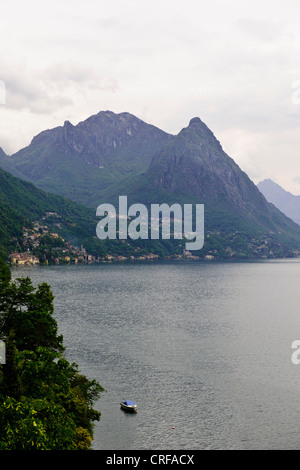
<point x="42" y="245"/>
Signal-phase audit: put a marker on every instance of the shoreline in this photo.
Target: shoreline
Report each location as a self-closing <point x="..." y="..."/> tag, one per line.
<point x="158" y="261"/>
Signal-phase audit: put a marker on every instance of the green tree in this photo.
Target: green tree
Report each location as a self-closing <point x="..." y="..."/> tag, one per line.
<point x="5" y="274"/>
<point x="45" y="403"/>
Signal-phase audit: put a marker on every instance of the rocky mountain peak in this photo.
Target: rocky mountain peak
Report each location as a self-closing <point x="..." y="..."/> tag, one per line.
<point x="194" y="163"/>
<point x="197" y="132"/>
<point x="68" y="124"/>
<point x="195" y="120"/>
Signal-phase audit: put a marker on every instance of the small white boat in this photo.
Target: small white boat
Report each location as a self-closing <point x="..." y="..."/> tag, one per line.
<point x="129" y="405"/>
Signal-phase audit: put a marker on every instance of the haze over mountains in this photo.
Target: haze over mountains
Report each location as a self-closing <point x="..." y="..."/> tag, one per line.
<point x="110" y="154"/>
<point x="287" y="202"/>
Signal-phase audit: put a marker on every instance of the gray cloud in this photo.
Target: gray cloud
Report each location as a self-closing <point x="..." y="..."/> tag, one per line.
<point x="45" y="90"/>
<point x="231" y="63"/>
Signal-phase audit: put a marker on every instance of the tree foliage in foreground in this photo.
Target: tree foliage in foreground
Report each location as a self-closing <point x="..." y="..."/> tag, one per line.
<point x="45" y="403"/>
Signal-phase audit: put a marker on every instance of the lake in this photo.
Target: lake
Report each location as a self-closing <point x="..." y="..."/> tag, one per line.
<point x="203" y="348"/>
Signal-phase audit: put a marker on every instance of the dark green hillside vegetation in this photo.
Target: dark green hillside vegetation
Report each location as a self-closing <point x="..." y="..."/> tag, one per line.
<point x="21" y="203"/>
<point x="45" y="403"/>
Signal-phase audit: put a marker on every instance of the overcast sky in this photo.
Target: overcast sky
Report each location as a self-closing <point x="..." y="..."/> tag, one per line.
<point x="233" y="63"/>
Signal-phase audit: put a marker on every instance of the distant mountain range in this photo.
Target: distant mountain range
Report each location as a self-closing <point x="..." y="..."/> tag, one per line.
<point x="287" y="202"/>
<point x="5" y="164"/>
<point x="111" y="154"/>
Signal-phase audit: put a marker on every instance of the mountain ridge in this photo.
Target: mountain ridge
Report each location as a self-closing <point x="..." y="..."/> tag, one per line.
<point x="105" y="148"/>
<point x="151" y="166"/>
<point x="194" y="162"/>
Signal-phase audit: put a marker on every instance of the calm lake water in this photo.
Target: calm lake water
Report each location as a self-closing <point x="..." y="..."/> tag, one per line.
<point x="203" y="348"/>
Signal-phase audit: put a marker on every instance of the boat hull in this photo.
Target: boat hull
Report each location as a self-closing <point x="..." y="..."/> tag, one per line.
<point x="130" y="408"/>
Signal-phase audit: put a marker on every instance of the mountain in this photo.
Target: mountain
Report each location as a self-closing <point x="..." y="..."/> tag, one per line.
<point x="194" y="168"/>
<point x="285" y="201"/>
<point x="194" y="164"/>
<point x="81" y="161"/>
<point x="110" y="154"/>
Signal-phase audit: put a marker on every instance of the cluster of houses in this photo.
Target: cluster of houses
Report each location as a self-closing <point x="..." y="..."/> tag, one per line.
<point x="28" y="259"/>
<point x="63" y="253"/>
<point x="23" y="259"/>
